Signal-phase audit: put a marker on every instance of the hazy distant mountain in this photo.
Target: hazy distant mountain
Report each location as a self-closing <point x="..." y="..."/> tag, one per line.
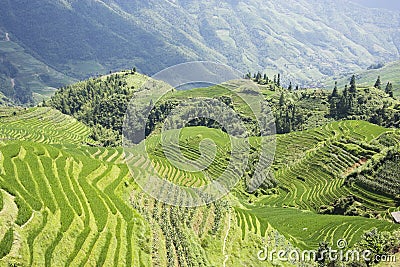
<point x="388" y="4"/>
<point x="305" y="39"/>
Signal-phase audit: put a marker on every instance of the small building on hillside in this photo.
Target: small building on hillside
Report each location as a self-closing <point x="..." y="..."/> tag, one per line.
<point x="396" y="216"/>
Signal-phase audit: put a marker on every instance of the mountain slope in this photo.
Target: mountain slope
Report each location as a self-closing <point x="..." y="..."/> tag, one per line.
<point x="306" y="39"/>
<point x="24" y="78"/>
<point x="4" y="101"/>
<point x="388" y="73"/>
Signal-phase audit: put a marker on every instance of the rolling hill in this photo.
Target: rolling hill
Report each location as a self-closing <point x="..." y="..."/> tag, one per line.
<point x="388" y="73"/>
<point x="306" y="40"/>
<point x="65" y="203"/>
<point x="66" y="200"/>
<point x="294" y="110"/>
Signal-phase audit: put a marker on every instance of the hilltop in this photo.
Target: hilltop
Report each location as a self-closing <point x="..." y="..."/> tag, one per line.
<point x="294" y="108"/>
<point x="387" y="72"/>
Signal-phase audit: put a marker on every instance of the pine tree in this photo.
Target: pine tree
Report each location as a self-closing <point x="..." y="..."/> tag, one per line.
<point x="353" y="87"/>
<point x="335" y="92"/>
<point x="333" y="109"/>
<point x="258" y="77"/>
<point x="278" y="82"/>
<point x="343" y="105"/>
<point x="290" y="88"/>
<point x="282" y="100"/>
<point x="389" y="89"/>
<point x="297" y="87"/>
<point x="378" y="83"/>
<point x="336" y="104"/>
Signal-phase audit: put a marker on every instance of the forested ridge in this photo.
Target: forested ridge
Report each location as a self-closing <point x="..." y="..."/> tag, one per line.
<point x="101" y="103"/>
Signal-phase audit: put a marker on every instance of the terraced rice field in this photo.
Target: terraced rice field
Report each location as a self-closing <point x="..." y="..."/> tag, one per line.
<point x="67" y="209"/>
<point x="43" y="125"/>
<point x="65" y="203"/>
<point x="311" y="165"/>
<point x="305" y="229"/>
<point x="188" y="147"/>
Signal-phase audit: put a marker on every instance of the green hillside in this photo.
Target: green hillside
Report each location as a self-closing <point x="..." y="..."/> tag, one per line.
<point x="388" y="73"/>
<point x="64" y="203"/>
<point x="43" y="125"/>
<point x="4" y="101"/>
<point x="68" y="195"/>
<point x="101" y="103"/>
<point x="69" y="198"/>
<point x="65" y="209"/>
<point x="122" y="144"/>
<point x="24" y="78"/>
<point x="67" y="204"/>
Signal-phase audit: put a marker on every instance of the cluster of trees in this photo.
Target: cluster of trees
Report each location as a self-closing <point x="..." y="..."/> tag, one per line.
<point x="388" y="88"/>
<point x="348" y="206"/>
<point x="379" y="244"/>
<point x="353" y="104"/>
<point x="343" y="105"/>
<point x="99" y="103"/>
<point x="263" y="79"/>
<point x="294" y="109"/>
<point x="287" y="117"/>
<point x="176" y="225"/>
<point x="207" y="107"/>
